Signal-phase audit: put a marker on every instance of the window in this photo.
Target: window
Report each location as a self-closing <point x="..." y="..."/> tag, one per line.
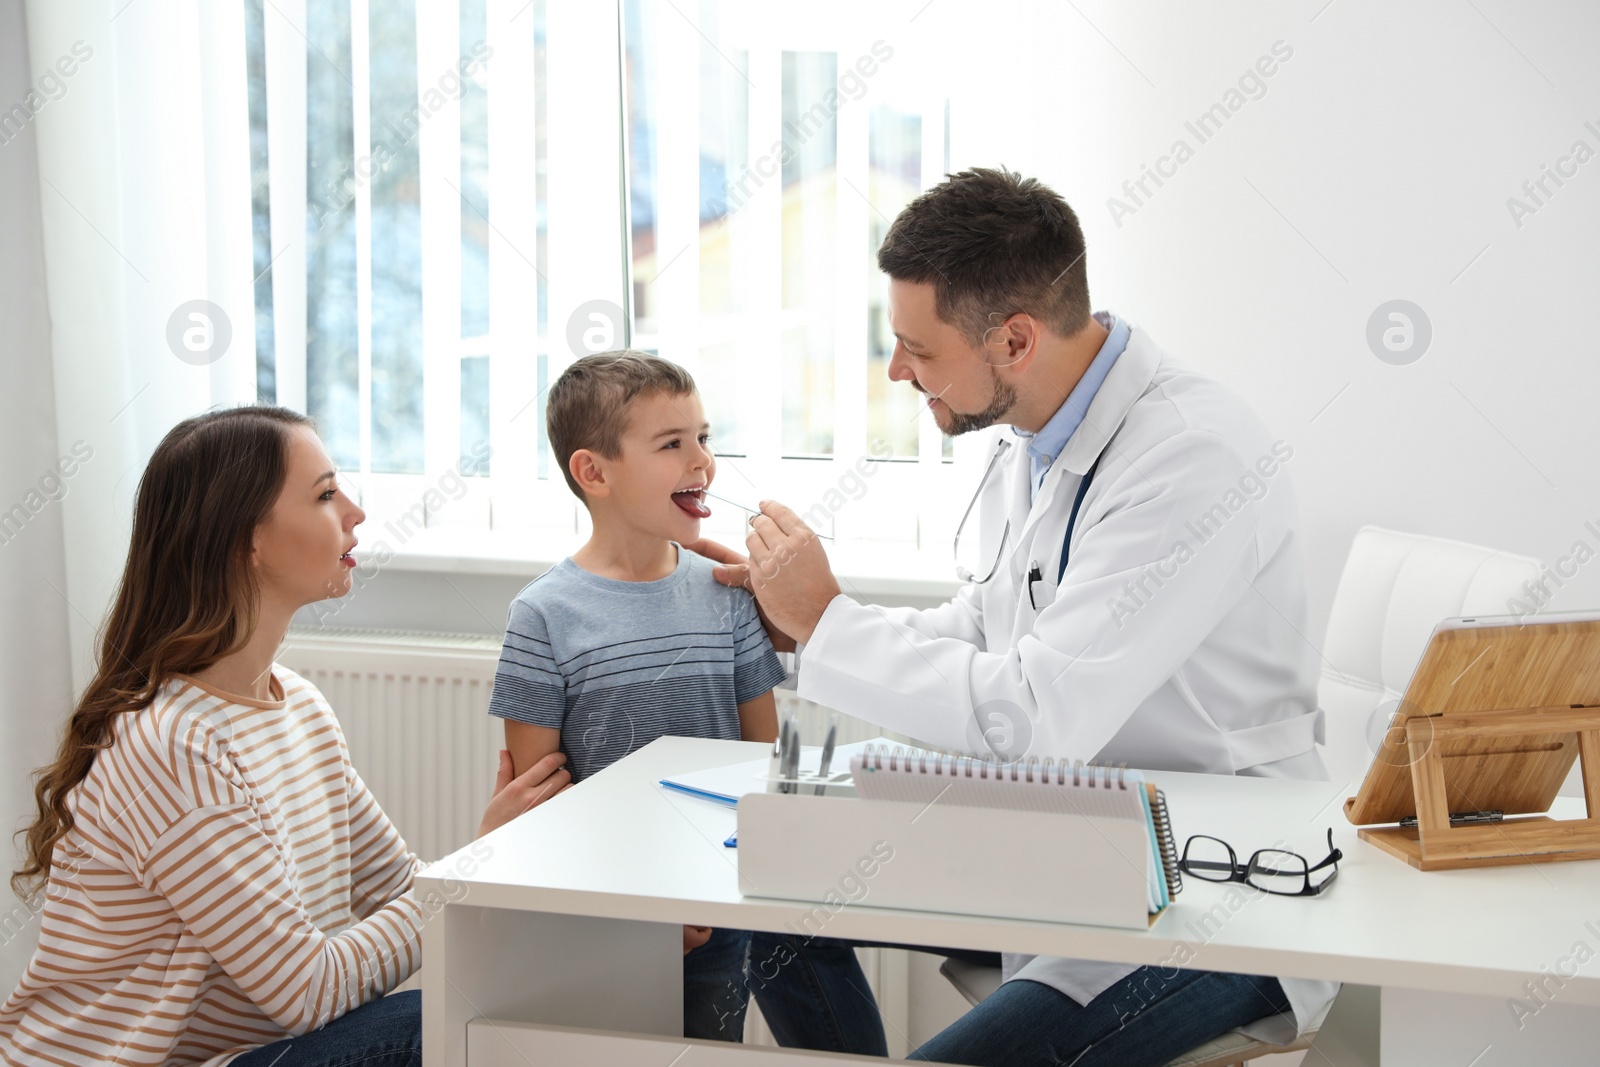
<point x="437" y="234"/>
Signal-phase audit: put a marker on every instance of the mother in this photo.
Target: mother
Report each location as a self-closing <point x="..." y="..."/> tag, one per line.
<point x="220" y="885"/>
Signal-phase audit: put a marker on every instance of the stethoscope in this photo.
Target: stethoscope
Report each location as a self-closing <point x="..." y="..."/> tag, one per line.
<point x="955" y="546"/>
<point x="1034" y="573"/>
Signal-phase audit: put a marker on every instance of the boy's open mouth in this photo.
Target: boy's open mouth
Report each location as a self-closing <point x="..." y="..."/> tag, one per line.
<point x="693" y="502"/>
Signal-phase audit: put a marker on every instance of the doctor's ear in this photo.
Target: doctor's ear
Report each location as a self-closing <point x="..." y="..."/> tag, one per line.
<point x="1010" y="341"/>
<point x="588" y="472"/>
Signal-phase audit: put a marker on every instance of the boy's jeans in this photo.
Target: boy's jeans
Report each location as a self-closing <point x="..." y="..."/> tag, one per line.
<point x="714" y="993"/>
<point x="814" y="995"/>
<point x="812" y="992"/>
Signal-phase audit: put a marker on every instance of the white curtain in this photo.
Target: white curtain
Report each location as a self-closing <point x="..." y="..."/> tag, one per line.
<point x="34" y="677"/>
<point x="125" y="184"/>
<point x="144" y="194"/>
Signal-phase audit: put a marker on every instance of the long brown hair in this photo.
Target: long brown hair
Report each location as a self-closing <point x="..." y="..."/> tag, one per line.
<point x="188" y="595"/>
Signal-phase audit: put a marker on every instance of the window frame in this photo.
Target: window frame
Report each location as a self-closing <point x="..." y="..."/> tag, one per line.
<point x="895" y="523"/>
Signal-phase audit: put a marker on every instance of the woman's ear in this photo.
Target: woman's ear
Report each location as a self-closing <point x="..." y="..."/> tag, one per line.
<point x="588" y="471"/>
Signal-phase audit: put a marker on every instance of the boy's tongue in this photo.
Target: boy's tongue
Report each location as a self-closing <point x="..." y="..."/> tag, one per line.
<point x="692" y="505"/>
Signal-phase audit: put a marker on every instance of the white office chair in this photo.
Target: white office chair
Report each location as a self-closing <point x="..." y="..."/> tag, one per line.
<point x="1394" y="589"/>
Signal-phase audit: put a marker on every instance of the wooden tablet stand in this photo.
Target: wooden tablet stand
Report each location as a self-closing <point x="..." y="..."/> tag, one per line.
<point x="1495" y="715"/>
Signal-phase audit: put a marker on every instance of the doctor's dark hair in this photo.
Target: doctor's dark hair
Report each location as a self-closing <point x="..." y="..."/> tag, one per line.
<point x="188" y="594"/>
<point x="993" y="244"/>
<point x="587" y="407"/>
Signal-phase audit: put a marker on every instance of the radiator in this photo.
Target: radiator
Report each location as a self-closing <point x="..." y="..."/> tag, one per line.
<point x="414" y="707"/>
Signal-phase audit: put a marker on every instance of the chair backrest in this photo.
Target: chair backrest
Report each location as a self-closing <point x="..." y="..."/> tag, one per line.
<point x="1395" y="588"/>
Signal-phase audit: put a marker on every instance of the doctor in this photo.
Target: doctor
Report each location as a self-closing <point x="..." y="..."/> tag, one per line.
<point x="1135" y="593"/>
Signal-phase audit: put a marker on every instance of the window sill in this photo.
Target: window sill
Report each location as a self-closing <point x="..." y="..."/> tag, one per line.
<point x="872" y="571"/>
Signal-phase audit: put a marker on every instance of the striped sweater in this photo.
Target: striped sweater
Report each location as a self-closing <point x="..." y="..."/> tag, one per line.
<point x="229" y="882"/>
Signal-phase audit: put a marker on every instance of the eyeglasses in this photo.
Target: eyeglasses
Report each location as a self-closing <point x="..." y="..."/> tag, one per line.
<point x="961" y="571"/>
<point x="1271" y="870"/>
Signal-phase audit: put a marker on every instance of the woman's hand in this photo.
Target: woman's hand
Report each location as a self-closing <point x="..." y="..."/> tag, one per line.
<point x="735" y="571"/>
<point x="695" y="936"/>
<point x="513" y="796"/>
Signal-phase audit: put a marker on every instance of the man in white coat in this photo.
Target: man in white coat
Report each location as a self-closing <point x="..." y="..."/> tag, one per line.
<point x="1136" y="594"/>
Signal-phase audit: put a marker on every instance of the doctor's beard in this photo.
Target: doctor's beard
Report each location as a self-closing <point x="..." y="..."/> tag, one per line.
<point x="1000" y="404"/>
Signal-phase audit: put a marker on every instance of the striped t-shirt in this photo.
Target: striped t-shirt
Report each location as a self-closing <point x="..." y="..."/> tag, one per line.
<point x="229" y="882"/>
<point x="614" y="665"/>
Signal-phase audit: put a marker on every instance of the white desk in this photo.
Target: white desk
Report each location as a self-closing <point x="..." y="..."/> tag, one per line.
<point x="569" y="918"/>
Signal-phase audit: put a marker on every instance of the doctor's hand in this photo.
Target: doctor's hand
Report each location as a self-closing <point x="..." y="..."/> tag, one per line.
<point x="735" y="571"/>
<point x="789" y="571"/>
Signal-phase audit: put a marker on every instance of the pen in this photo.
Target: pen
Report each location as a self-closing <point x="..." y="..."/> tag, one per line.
<point x="775" y="762"/>
<point x="753" y="511"/>
<point x="783" y="755"/>
<point x="790" y="767"/>
<point x="827" y="755"/>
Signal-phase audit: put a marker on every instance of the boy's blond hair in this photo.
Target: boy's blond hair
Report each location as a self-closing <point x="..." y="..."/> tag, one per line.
<point x="588" y="405"/>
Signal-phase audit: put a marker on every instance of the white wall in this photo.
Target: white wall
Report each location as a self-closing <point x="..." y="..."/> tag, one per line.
<point x="35" y="684"/>
<point x="1376" y="166"/>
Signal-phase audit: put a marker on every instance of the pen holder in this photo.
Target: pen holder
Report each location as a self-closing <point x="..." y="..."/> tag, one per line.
<point x="807" y="783"/>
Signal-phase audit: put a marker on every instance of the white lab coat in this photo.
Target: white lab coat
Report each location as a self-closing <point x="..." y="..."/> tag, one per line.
<point x="1174" y="641"/>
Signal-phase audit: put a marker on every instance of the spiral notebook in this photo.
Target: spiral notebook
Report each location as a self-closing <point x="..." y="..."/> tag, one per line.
<point x="910" y="775"/>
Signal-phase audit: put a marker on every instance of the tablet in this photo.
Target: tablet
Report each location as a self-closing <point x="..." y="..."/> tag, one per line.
<point x="1489" y="663"/>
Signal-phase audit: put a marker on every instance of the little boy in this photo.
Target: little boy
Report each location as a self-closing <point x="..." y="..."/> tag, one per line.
<point x="631" y="638"/>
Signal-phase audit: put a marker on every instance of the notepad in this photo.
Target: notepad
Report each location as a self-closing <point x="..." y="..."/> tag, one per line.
<point x="910" y="775"/>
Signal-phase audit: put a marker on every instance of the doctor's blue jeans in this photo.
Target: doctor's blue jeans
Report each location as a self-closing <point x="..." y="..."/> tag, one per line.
<point x="815" y="996"/>
<point x="1147" y="1019"/>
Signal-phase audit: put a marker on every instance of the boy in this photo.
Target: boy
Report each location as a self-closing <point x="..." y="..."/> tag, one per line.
<point x="631" y="638"/>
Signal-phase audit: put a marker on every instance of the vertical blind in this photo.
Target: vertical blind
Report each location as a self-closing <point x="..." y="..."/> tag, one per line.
<point x="452" y="199"/>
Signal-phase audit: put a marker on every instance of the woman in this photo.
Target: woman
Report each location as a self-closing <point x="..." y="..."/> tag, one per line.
<point x="220" y="885"/>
